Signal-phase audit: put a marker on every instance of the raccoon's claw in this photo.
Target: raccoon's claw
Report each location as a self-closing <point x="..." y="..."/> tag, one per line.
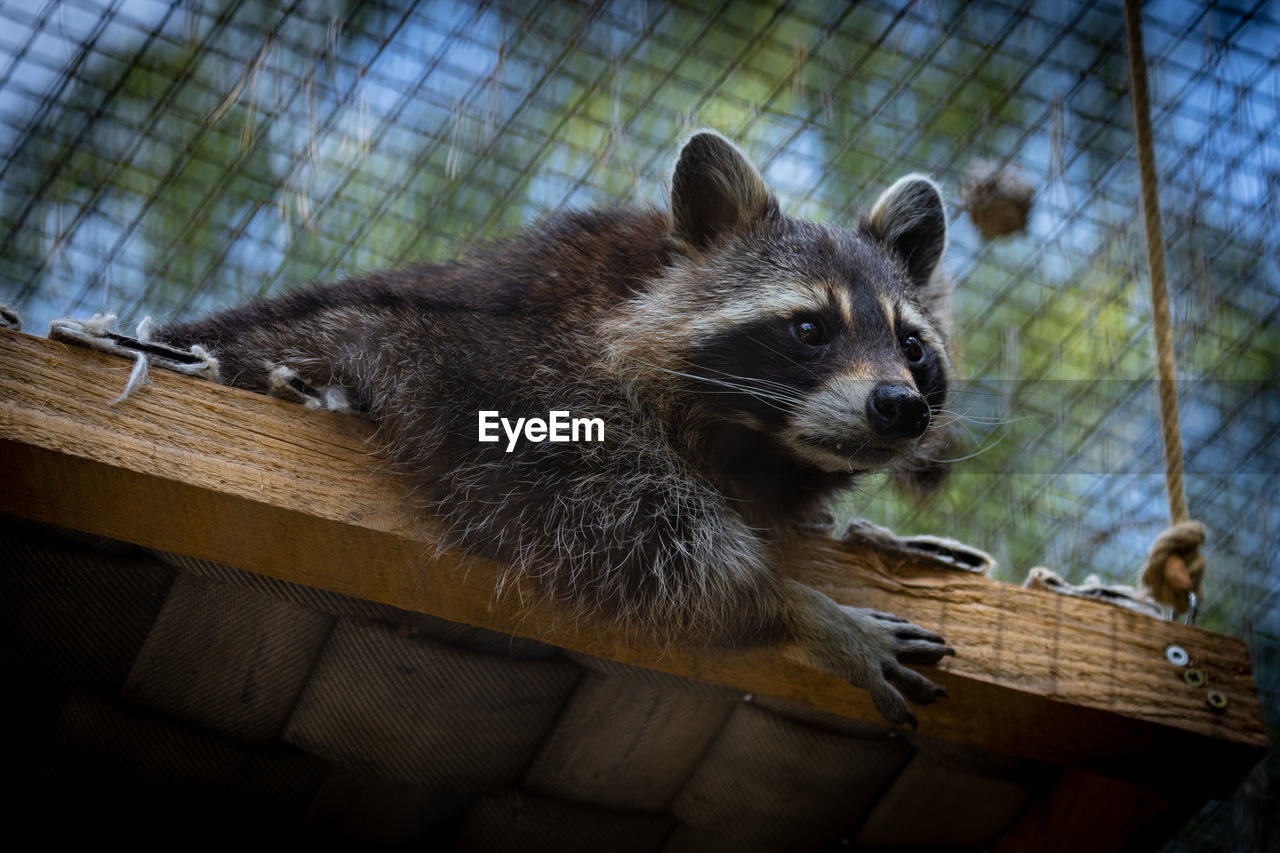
<point x="889" y="700"/>
<point x="867" y="648"/>
<point x="285" y="383"/>
<point x="889" y="643"/>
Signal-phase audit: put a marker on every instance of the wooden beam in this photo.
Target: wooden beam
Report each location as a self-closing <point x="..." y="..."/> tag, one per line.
<point x="221" y="474"/>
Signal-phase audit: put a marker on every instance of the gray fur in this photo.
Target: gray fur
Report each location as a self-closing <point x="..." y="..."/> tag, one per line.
<point x="671" y="327"/>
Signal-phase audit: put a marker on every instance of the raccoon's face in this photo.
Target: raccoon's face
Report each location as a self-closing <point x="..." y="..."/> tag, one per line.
<point x="877" y="382"/>
<point x="822" y="343"/>
<point x="829" y="341"/>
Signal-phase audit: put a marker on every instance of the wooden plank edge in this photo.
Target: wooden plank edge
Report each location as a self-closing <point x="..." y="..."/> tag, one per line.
<point x="105" y="491"/>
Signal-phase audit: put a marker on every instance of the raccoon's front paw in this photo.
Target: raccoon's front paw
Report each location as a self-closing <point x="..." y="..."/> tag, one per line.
<point x="935" y="549"/>
<point x="867" y="648"/>
<point x="880" y="646"/>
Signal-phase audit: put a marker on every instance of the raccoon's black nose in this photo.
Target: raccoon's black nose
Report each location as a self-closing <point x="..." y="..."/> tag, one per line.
<point x="897" y="411"/>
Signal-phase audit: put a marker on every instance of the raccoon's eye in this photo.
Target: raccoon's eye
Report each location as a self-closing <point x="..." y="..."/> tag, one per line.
<point x="810" y="331"/>
<point x="913" y="349"/>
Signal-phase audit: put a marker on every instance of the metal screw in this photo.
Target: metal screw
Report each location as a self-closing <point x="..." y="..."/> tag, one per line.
<point x="1216" y="700"/>
<point x="1177" y="656"/>
<point x="1193" y="677"/>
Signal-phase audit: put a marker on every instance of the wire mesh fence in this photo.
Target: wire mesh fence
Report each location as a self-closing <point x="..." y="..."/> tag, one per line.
<point x="170" y="158"/>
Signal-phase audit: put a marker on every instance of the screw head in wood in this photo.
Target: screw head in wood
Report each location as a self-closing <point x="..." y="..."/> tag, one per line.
<point x="1193" y="677"/>
<point x="1177" y="656"/>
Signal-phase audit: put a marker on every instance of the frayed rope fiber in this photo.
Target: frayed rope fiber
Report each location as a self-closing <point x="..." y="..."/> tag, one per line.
<point x="138" y="375"/>
<point x="99" y="332"/>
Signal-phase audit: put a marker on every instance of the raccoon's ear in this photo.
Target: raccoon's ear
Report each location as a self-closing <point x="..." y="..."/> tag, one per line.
<point x="910" y="219"/>
<point x="715" y="191"/>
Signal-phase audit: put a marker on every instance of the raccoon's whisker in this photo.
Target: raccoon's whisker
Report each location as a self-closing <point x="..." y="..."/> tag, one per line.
<point x="762" y="394"/>
<point x="762" y="385"/>
<point x="762" y="399"/>
<point x="945" y="417"/>
<point x="973" y="455"/>
<point x="769" y="400"/>
<point x="749" y="385"/>
<point x="806" y="368"/>
<point x="968" y="432"/>
<point x="754" y="380"/>
<point x="745" y="387"/>
<point x="981" y="419"/>
<point x="973" y="391"/>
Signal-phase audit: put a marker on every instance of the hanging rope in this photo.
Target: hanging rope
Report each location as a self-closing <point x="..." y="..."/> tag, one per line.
<point x="1174" y="567"/>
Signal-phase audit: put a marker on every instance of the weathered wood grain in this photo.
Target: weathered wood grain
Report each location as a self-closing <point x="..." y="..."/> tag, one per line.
<point x="222" y="474"/>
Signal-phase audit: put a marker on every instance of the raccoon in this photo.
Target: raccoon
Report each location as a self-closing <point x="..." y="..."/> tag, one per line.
<point x="747" y="366"/>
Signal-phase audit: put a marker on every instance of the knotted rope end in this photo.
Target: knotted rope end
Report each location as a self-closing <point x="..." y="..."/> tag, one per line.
<point x="1175" y="568"/>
